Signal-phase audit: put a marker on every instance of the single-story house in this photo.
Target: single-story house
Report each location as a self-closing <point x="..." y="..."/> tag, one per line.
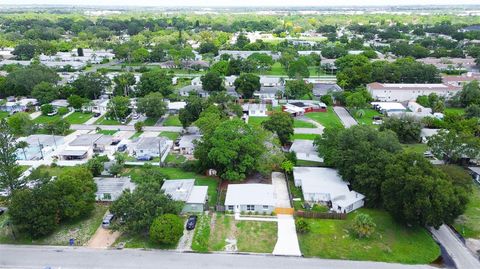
<point x="195" y="197"/>
<point x="59" y="103"/>
<point x="39" y="146"/>
<point x="255" y="110"/>
<point x="300" y="108"/>
<point x="18" y="105"/>
<point x="96" y="106"/>
<point x="253" y="197"/>
<point x="403" y="92"/>
<point x="269" y="92"/>
<point x="151" y="146"/>
<point x="185" y="91"/>
<point x="305" y="150"/>
<point x="389" y="107"/>
<point x="109" y="189"/>
<point x="321" y="89"/>
<point x="325" y="186"/>
<point x="174" y="107"/>
<point x="186" y="144"/>
<point x="74" y="153"/>
<point x="97" y="142"/>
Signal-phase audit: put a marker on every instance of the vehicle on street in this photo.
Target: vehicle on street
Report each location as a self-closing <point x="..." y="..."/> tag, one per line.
<point x="191" y="222"/>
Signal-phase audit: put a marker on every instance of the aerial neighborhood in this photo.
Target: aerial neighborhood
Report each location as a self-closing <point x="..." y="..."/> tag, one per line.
<point x="337" y="135"/>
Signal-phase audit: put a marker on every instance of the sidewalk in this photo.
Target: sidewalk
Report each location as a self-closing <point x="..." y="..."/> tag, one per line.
<point x="287" y="242"/>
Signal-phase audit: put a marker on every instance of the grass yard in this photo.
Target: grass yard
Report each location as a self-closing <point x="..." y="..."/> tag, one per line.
<point x="202" y="234"/>
<point x="251" y="236"/>
<point x="305" y="163"/>
<point x="256" y="121"/>
<point x="104" y="121"/>
<point x="415" y="148"/>
<point x="78" y="117"/>
<point x="328" y="119"/>
<point x="468" y="224"/>
<point x="175" y="158"/>
<point x="172" y="120"/>
<point x="4" y="114"/>
<point x="177" y="173"/>
<point x="303" y="124"/>
<point x="43" y="119"/>
<point x="141" y="241"/>
<point x="136" y="135"/>
<point x="81" y="230"/>
<point x="107" y="132"/>
<point x="367" y="118"/>
<point x="150" y="121"/>
<point x="391" y="242"/>
<point x="170" y="135"/>
<point x="305" y="136"/>
<point x="454" y="110"/>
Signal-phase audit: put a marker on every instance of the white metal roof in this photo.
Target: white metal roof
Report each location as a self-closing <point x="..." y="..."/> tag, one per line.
<point x="198" y="195"/>
<point x="250" y="194"/>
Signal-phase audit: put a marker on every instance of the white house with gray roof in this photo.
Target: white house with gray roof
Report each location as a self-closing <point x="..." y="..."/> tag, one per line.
<point x="253" y="197"/>
<point x="195" y="197"/>
<point x="305" y="150"/>
<point x="325" y="186"/>
<point x="151" y="146"/>
<point x="109" y="189"/>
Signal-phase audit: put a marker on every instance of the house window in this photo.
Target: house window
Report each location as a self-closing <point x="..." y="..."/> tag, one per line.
<point x="265" y="207"/>
<point x="230" y="208"/>
<point x="250" y="208"/>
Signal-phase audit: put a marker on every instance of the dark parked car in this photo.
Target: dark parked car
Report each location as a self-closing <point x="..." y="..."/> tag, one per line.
<point x="191" y="222"/>
<point x="144" y="158"/>
<point x="122" y="148"/>
<point x="2" y="210"/>
<point x="97" y="115"/>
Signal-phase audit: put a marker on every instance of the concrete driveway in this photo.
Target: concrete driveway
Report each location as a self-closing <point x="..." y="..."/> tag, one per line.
<point x="345" y="117"/>
<point x="185" y="242"/>
<point x="280" y="191"/>
<point x="287" y="242"/>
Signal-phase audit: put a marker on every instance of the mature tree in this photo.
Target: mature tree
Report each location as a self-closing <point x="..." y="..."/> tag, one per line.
<point x="280" y="123"/>
<point x="360" y="154"/>
<point x="140" y="207"/>
<point x="76" y="101"/>
<point x="363" y="225"/>
<point x="356" y="100"/>
<point x="407" y="128"/>
<point x="24" y="52"/>
<point x="21" y="124"/>
<point x="451" y="146"/>
<point x="152" y="105"/>
<point x="166" y="229"/>
<point x="10" y="171"/>
<point x="417" y="193"/>
<point x="192" y="110"/>
<point x="212" y="82"/>
<point x="298" y="69"/>
<point x="247" y="84"/>
<point x="209" y="120"/>
<point x="296" y="89"/>
<point x="140" y="55"/>
<point x="124" y="84"/>
<point x="119" y="108"/>
<point x="157" y="54"/>
<point x="234" y="67"/>
<point x="91" y="85"/>
<point x="22" y="80"/>
<point x="470" y="94"/>
<point x="156" y="80"/>
<point x="45" y="92"/>
<point x="47" y="109"/>
<point x="208" y="47"/>
<point x="472" y="111"/>
<point x="242" y="41"/>
<point x="232" y="155"/>
<point x="220" y="67"/>
<point x="327" y="99"/>
<point x="96" y="164"/>
<point x="261" y="60"/>
<point x="57" y="127"/>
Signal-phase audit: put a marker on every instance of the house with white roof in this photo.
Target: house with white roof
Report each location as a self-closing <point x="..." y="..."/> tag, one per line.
<point x="186" y="144"/>
<point x="18" y="105"/>
<point x="109" y="189"/>
<point x="255" y="110"/>
<point x="257" y="198"/>
<point x="151" y="146"/>
<point x="325" y="186"/>
<point x="195" y="197"/>
<point x="389" y="107"/>
<point x="305" y="150"/>
<point x="174" y="107"/>
<point x="403" y="92"/>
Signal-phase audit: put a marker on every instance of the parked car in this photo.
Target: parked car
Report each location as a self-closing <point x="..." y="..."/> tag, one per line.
<point x="122" y="148"/>
<point x="115" y="141"/>
<point x="107" y="220"/>
<point x="2" y="210"/>
<point x="144" y="158"/>
<point x="97" y="114"/>
<point x="191" y="222"/>
<point x="136" y="116"/>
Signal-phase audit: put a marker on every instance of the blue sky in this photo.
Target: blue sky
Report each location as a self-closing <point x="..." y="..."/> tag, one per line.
<point x="239" y="2"/>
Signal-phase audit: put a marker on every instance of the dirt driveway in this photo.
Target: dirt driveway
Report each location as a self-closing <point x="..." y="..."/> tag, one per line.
<point x="103" y="238"/>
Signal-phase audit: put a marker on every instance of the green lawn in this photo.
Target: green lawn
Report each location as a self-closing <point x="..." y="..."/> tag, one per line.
<point x="303" y="124"/>
<point x="305" y="136"/>
<point x="150" y="121"/>
<point x="141" y="241"/>
<point x="43" y="119"/>
<point x="251" y="236"/>
<point x="256" y="121"/>
<point x="3" y="114"/>
<point x="78" y="117"/>
<point x="170" y="135"/>
<point x="136" y="135"/>
<point x="367" y="118"/>
<point x="81" y="229"/>
<point x="177" y="173"/>
<point x="172" y="120"/>
<point x="391" y="242"/>
<point x="454" y="110"/>
<point x="175" y="158"/>
<point x="468" y="224"/>
<point x="417" y="148"/>
<point x="327" y="119"/>
<point x="107" y="132"/>
<point x="308" y="163"/>
<point x="104" y="121"/>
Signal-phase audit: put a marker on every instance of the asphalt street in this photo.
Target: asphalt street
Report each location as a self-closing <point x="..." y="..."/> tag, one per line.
<point x="78" y="258"/>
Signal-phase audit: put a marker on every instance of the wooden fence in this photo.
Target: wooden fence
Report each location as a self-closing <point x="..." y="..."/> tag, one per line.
<point x="320" y="215"/>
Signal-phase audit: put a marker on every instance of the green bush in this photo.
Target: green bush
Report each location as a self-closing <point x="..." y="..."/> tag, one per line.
<point x="62" y="111"/>
<point x="363" y="226"/>
<point x="302" y="226"/>
<point x="166" y="229"/>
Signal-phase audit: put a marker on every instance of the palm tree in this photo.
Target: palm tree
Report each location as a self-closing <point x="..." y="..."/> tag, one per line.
<point x="22" y="145"/>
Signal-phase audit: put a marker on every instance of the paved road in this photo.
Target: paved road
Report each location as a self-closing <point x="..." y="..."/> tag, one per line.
<point x="127" y="128"/>
<point x="76" y="258"/>
<point x="344" y="116"/>
<point x="456" y="249"/>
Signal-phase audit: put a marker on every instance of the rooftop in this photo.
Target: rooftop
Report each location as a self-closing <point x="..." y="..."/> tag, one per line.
<point x="250" y="194"/>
